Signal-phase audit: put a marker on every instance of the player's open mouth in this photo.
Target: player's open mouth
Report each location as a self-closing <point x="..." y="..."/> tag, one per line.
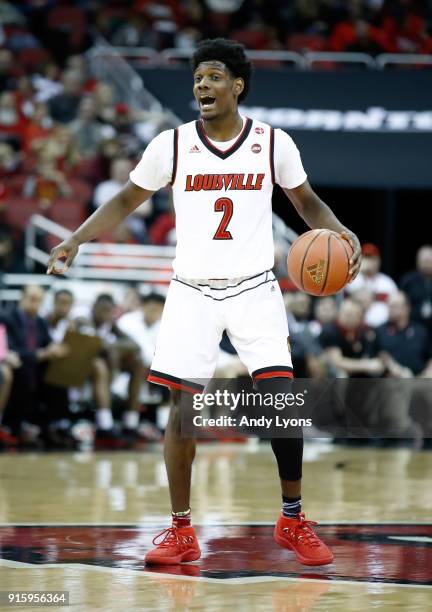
<point x="207" y="102"/>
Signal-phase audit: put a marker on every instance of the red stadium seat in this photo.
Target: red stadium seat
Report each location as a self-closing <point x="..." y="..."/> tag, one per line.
<point x="81" y="190"/>
<point x="19" y="210"/>
<point x="66" y="18"/>
<point x="305" y="42"/>
<point x="16" y="184"/>
<point x="31" y="59"/>
<point x="68" y="212"/>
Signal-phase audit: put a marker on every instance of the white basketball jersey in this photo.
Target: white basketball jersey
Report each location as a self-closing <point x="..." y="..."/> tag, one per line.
<point x="222" y="202"/>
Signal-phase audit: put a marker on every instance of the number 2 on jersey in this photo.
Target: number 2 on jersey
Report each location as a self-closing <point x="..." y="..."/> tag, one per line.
<point x="226" y="206"/>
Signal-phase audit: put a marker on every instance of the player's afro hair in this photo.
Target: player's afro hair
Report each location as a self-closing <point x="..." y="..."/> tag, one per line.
<point x="232" y="54"/>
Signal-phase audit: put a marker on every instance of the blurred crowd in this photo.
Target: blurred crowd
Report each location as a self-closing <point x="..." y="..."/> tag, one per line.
<point x="68" y="143"/>
<point x="377" y="331"/>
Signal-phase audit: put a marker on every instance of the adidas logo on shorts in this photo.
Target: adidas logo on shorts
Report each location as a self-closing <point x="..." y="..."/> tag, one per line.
<point x="194" y="149"/>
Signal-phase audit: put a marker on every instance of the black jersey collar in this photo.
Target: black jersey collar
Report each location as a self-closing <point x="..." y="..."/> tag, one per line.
<point x="237" y="144"/>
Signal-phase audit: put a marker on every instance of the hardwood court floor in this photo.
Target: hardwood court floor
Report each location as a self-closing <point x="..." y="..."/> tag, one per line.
<point x="82" y="522"/>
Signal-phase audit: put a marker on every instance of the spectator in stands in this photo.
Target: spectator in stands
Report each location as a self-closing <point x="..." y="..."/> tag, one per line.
<point x="404" y="344"/>
<point x="11" y="260"/>
<point x="304" y="346"/>
<point x="404" y="348"/>
<point x="88" y="132"/>
<point x="136" y="32"/>
<point x="119" y="176"/>
<point x="9" y="361"/>
<point x="143" y="324"/>
<point x="59" y="319"/>
<point x="371" y="281"/>
<point x="12" y="124"/>
<point x="105" y="103"/>
<point x="121" y="353"/>
<point x="325" y="312"/>
<point x="33" y="405"/>
<point x="350" y="353"/>
<point x="46" y="82"/>
<point x="60" y="322"/>
<point x="349" y="345"/>
<point x="126" y="131"/>
<point x="47" y="183"/>
<point x="10" y="160"/>
<point x="38" y="128"/>
<point x="418" y="287"/>
<point x="7" y="72"/>
<point x="64" y="106"/>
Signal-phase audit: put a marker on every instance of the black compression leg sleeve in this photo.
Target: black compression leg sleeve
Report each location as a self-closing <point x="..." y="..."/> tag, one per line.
<point x="288" y="451"/>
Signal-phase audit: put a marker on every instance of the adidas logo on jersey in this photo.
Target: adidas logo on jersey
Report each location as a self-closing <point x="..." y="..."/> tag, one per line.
<point x="316" y="272"/>
<point x="194" y="149"/>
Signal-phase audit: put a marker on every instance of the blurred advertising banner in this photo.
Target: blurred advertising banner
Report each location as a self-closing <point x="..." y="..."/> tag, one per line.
<point x="354" y="129"/>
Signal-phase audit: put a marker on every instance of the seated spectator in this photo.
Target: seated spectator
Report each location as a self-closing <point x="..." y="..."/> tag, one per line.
<point x="64" y="106"/>
<point x="122" y="354"/>
<point x="359" y="36"/>
<point x="88" y="132"/>
<point x="119" y="176"/>
<point x="349" y="345"/>
<point x="136" y="32"/>
<point x="405" y="350"/>
<point x="304" y="347"/>
<point x="8" y="76"/>
<point x="378" y="284"/>
<point x="143" y="325"/>
<point x="349" y="351"/>
<point x="8" y="362"/>
<point x="11" y="260"/>
<point x="105" y="103"/>
<point x="405" y="342"/>
<point x="60" y="322"/>
<point x="39" y="127"/>
<point x="33" y="405"/>
<point x="48" y="183"/>
<point x="418" y="287"/>
<point x="126" y="131"/>
<point x="10" y="160"/>
<point x="325" y="312"/>
<point x="12" y="123"/>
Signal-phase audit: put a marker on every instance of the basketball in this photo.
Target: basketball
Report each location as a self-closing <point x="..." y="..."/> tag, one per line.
<point x="318" y="262"/>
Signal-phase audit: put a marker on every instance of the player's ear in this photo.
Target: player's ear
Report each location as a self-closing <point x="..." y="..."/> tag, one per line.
<point x="238" y="86"/>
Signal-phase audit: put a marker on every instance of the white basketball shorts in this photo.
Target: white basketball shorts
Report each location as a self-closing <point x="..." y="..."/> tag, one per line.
<point x="196" y="313"/>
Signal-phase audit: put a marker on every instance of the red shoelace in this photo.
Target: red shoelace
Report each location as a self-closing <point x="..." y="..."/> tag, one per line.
<point x="171" y="537"/>
<point x="302" y="530"/>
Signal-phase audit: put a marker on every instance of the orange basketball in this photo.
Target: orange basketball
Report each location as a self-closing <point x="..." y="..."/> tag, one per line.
<point x="318" y="262"/>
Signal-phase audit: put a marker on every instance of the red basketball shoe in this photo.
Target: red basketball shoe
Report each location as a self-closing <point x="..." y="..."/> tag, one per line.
<point x="297" y="535"/>
<point x="178" y="544"/>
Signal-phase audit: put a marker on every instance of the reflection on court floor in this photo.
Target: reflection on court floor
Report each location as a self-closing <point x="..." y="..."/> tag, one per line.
<point x="83" y="523"/>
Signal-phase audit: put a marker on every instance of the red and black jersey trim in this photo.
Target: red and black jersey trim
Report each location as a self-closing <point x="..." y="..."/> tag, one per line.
<point x="272" y="169"/>
<point x="211" y="147"/>
<point x="175" y="157"/>
<point x="173" y="382"/>
<point x="273" y="372"/>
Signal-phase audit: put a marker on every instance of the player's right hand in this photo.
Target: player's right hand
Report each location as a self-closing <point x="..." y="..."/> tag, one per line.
<point x="67" y="251"/>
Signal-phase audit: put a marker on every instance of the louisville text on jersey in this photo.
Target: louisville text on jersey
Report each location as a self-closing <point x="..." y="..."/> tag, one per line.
<point x="217" y="182"/>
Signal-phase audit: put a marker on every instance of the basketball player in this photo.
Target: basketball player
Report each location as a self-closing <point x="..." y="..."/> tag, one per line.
<point x="222" y="169"/>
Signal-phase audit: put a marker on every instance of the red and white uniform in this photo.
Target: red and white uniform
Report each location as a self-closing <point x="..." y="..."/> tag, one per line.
<point x="223" y="280"/>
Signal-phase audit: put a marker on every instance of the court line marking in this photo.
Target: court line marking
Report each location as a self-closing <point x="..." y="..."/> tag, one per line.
<point x="234" y="581"/>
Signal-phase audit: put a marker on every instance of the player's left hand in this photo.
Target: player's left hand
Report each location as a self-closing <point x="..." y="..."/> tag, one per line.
<point x="356" y="257"/>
